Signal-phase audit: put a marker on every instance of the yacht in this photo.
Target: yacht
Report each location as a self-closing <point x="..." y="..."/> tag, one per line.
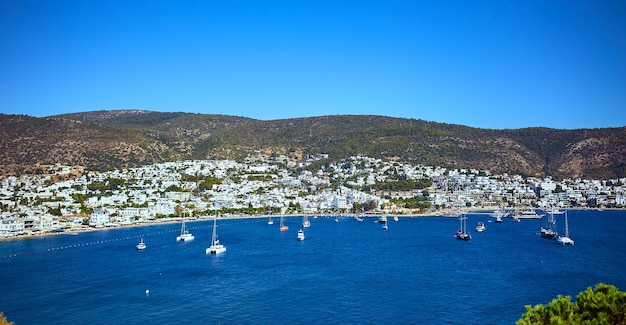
<point x="216" y="247"/>
<point x="565" y="240"/>
<point x="462" y="233"/>
<point x="283" y="228"/>
<point x="480" y="227"/>
<point x="305" y="222"/>
<point x="185" y="235"/>
<point x="141" y="246"/>
<point x="548" y="230"/>
<point x="383" y="220"/>
<point x="300" y="234"/>
<point x="526" y="214"/>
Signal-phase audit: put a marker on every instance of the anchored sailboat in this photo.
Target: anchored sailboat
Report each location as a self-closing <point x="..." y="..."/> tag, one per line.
<point x="462" y="233"/>
<point x="185" y="235"/>
<point x="216" y="247"/>
<point x="283" y="228"/>
<point x="141" y="246"/>
<point x="548" y="231"/>
<point x="565" y="240"/>
<point x="305" y="222"/>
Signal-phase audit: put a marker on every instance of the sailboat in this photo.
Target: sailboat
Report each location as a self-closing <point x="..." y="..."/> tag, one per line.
<point x="565" y="240"/>
<point x="141" y="246"/>
<point x="305" y="222"/>
<point x="185" y="235"/>
<point x="548" y="231"/>
<point x="462" y="233"/>
<point x="283" y="228"/>
<point x="216" y="247"/>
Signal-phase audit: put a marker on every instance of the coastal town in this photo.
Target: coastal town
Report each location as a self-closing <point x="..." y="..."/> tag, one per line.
<point x="54" y="202"/>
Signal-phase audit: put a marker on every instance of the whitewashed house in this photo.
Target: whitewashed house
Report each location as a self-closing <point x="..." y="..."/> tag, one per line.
<point x="99" y="218"/>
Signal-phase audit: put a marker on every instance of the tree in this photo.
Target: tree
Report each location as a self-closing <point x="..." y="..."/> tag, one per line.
<point x="605" y="304"/>
<point x="3" y="320"/>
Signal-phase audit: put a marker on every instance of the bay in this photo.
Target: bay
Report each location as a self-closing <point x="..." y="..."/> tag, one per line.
<point x="344" y="272"/>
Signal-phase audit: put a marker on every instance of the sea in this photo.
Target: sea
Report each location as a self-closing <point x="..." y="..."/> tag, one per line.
<point x="344" y="272"/>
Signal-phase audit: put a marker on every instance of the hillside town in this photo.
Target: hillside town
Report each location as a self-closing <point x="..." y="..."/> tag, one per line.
<point x="261" y="185"/>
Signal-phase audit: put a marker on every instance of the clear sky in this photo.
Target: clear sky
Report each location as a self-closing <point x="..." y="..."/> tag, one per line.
<point x="490" y="64"/>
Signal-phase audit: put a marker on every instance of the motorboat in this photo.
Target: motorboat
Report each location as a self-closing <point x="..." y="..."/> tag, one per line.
<point x="480" y="227"/>
<point x="300" y="234"/>
<point x="383" y="220"/>
<point x="142" y="245"/>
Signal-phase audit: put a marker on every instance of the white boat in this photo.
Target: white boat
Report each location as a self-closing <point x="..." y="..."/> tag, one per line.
<point x="395" y="218"/>
<point x="526" y="214"/>
<point x="141" y="246"/>
<point x="305" y="222"/>
<point x="357" y="218"/>
<point x="270" y="222"/>
<point x="383" y="220"/>
<point x="283" y="228"/>
<point x="498" y="214"/>
<point x="480" y="227"/>
<point x="216" y="247"/>
<point x="300" y="234"/>
<point x="185" y="235"/>
<point x="565" y="240"/>
<point x="462" y="233"/>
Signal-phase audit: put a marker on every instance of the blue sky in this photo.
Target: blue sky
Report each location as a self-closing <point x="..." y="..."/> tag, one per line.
<point x="489" y="64"/>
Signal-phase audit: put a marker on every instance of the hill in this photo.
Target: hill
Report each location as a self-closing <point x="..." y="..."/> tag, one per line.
<point x="102" y="140"/>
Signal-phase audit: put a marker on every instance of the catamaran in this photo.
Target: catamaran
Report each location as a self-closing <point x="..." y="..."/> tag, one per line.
<point x="565" y="240"/>
<point x="216" y="247"/>
<point x="185" y="235"/>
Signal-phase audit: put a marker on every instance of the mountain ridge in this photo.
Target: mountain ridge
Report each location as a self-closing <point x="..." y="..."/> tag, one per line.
<point x="111" y="139"/>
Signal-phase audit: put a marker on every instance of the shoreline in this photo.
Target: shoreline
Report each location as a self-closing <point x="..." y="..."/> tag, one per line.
<point x="165" y="221"/>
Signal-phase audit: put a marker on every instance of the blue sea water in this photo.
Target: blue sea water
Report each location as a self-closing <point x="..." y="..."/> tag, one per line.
<point x="345" y="272"/>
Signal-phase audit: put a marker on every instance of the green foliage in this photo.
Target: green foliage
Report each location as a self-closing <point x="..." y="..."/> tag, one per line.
<point x="174" y="188"/>
<point x="122" y="139"/>
<point x="262" y="178"/>
<point x="364" y="207"/>
<point x="604" y="304"/>
<point x="3" y="320"/>
<point x="419" y="202"/>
